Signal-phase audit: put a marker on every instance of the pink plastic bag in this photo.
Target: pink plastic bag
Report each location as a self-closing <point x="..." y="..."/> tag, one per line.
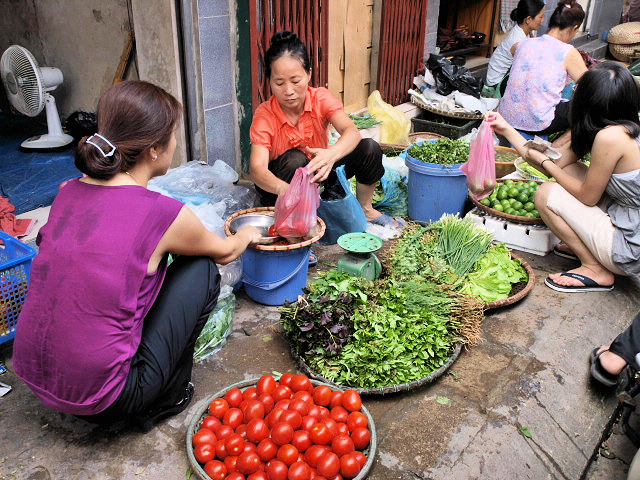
<point x="296" y="210"/>
<point x="480" y="169"/>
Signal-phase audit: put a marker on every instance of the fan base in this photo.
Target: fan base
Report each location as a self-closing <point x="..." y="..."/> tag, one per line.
<point x="47" y="142"/>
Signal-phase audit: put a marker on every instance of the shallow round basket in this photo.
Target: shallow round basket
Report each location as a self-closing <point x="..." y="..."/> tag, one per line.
<point x="413" y="138"/>
<point x="445" y="113"/>
<point x="518" y="290"/>
<point x="402" y="387"/>
<point x="203" y="411"/>
<point x="274" y="247"/>
<point x="506" y="216"/>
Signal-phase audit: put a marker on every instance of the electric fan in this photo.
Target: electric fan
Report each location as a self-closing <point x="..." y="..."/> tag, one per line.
<point x="28" y="87"/>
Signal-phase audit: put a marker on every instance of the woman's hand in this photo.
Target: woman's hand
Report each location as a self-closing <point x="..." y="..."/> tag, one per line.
<point x="321" y="163"/>
<point x="251" y="233"/>
<point x="497" y="123"/>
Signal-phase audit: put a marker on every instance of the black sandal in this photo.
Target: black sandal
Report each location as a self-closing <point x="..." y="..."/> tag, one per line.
<point x="598" y="372"/>
<point x="147" y="422"/>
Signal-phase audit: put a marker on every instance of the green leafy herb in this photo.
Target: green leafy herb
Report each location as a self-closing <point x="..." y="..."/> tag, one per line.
<point x="443" y="400"/>
<point x="444" y="151"/>
<point x="365" y="121"/>
<point x="526" y="432"/>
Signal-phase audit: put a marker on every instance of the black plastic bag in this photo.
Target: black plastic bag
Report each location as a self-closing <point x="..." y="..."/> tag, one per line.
<point x="81" y="124"/>
<point x="450" y="77"/>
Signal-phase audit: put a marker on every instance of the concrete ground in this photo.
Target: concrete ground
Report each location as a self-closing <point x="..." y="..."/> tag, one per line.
<point x="529" y="371"/>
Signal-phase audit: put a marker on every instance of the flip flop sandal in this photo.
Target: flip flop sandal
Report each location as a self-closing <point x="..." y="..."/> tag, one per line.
<point x="589" y="285"/>
<point x="598" y="372"/>
<point x="313" y="259"/>
<point x="563" y="254"/>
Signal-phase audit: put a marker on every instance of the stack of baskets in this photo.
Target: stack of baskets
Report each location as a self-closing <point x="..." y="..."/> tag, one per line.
<point x="624" y="41"/>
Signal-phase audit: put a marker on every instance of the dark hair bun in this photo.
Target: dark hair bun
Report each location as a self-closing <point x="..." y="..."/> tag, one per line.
<point x="283" y="37"/>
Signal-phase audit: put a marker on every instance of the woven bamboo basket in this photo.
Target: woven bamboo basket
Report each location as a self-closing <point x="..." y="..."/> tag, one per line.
<point x="624" y="41"/>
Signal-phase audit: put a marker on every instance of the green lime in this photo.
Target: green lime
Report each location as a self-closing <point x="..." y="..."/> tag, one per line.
<point x="513" y="192"/>
<point x="486" y="201"/>
<point x="510" y="211"/>
<point x="509" y="182"/>
<point x="529" y="214"/>
<point x="505" y="203"/>
<point x="502" y="194"/>
<point x="522" y="213"/>
<point x="499" y="207"/>
<point x="536" y="214"/>
<point x="529" y="206"/>
<point x="517" y="205"/>
<point x="532" y="183"/>
<point x="523" y="197"/>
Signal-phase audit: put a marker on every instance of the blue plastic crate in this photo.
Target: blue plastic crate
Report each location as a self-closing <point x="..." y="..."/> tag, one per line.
<point x="15" y="267"/>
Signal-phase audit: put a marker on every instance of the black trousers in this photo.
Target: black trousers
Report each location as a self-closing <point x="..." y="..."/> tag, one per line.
<point x="365" y="162"/>
<point x="161" y="368"/>
<point x="627" y="344"/>
<point x="560" y="121"/>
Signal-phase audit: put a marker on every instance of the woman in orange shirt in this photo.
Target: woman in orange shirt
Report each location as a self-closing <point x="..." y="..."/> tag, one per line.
<point x="291" y="129"/>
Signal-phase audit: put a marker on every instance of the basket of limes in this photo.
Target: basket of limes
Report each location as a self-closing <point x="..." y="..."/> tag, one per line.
<point x="512" y="199"/>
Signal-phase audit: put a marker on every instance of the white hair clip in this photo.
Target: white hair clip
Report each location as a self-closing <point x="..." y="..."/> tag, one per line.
<point x="113" y="147"/>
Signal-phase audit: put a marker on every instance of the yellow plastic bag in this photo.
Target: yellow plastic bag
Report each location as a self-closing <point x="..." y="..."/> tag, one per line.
<point x="395" y="125"/>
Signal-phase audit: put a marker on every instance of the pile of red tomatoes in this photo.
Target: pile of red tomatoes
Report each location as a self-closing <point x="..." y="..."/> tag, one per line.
<point x="286" y="429"/>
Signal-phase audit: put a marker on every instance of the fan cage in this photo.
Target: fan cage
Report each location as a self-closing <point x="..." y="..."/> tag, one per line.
<point x="23" y="67"/>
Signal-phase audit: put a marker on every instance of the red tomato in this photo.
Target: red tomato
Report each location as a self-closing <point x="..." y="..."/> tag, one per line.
<point x="322" y="395"/>
<point x="299" y="471"/>
<point x="242" y="430"/>
<point x="274" y="416"/>
<point x="249" y="447"/>
<point x="288" y="454"/>
<point x="301" y="440"/>
<point x="336" y="399"/>
<point x="292" y="417"/>
<point x="308" y="422"/>
<point x="321" y="434"/>
<point x="221" y="450"/>
<point x="267" y="384"/>
<point x="286" y="379"/>
<point x="313" y="454"/>
<point x="342" y="428"/>
<point x="283" y="404"/>
<point x="235" y="476"/>
<point x="250" y="393"/>
<point x="282" y="392"/>
<point x="300" y="406"/>
<point x="328" y="464"/>
<point x="357" y="419"/>
<point x="210" y="422"/>
<point x="259" y="475"/>
<point x="349" y="465"/>
<point x="277" y="470"/>
<point x="281" y="433"/>
<point x="351" y="400"/>
<point x="234" y="444"/>
<point x="315" y="411"/>
<point x="215" y="469"/>
<point x="253" y="409"/>
<point x="267" y="450"/>
<point x="333" y="426"/>
<point x="341" y="445"/>
<point x="218" y="407"/>
<point x="223" y="431"/>
<point x="325" y="413"/>
<point x="300" y="382"/>
<point x="339" y="414"/>
<point x="204" y="452"/>
<point x="233" y="417"/>
<point x="248" y="462"/>
<point x="304" y="395"/>
<point x="362" y="458"/>
<point x="231" y="462"/>
<point x="204" y="435"/>
<point x="233" y="397"/>
<point x="361" y="437"/>
<point x="268" y="402"/>
<point x="257" y="430"/>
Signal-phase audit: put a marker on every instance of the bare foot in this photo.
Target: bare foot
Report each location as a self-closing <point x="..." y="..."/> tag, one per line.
<point x="601" y="276"/>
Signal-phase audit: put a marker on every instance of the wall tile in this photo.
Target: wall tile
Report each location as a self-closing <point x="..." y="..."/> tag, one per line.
<point x="212" y="8"/>
<point x="221" y="143"/>
<point x="217" y="70"/>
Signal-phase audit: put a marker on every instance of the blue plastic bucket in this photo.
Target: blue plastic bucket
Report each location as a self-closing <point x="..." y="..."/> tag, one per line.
<point x="275" y="277"/>
<point x="434" y="190"/>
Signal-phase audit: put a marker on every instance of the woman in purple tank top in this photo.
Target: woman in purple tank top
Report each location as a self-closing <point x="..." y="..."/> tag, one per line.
<point x="108" y="329"/>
